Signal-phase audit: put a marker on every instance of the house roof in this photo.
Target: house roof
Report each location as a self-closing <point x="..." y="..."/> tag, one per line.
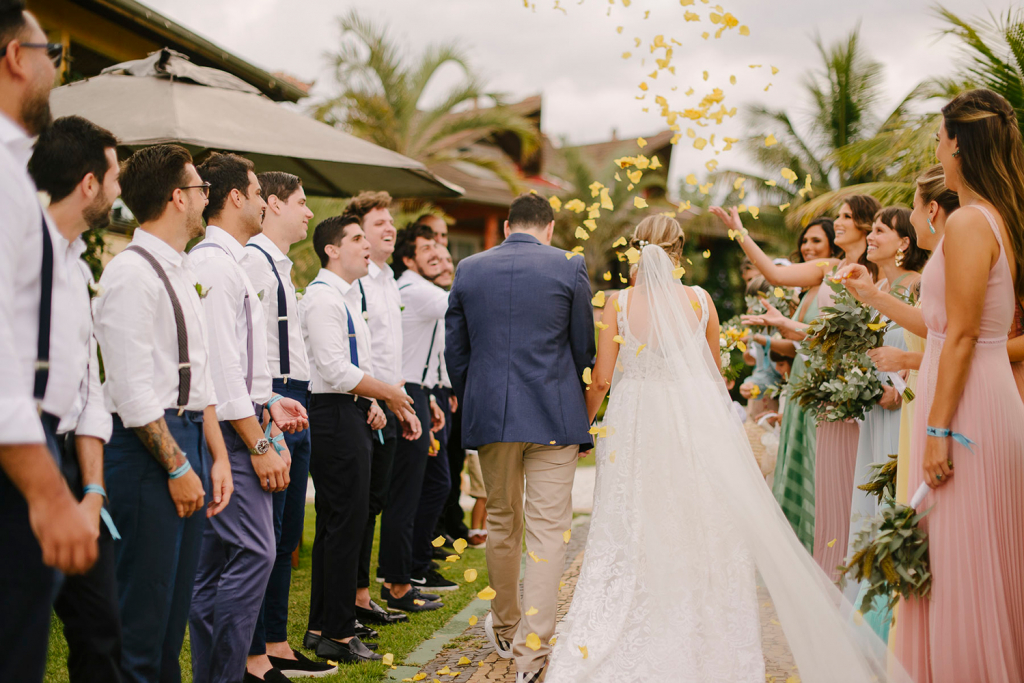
<point x="149" y="30"/>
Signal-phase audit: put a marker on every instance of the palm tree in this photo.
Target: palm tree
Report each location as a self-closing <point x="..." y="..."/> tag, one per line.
<point x="380" y="92"/>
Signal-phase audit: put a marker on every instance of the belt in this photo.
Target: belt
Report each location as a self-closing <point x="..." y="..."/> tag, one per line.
<point x="326" y="399"/>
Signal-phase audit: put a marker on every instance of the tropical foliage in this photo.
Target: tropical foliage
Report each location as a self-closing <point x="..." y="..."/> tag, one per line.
<point x="380" y="94"/>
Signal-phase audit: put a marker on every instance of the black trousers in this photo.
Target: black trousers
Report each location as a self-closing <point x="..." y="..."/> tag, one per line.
<point x="404" y="491"/>
<point x="380" y="478"/>
<point x="27" y="586"/>
<point x="87" y="604"/>
<point x="452" y="519"/>
<point x="340" y="466"/>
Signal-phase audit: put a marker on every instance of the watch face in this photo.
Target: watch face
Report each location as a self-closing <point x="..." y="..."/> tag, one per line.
<point x="262" y="446"/>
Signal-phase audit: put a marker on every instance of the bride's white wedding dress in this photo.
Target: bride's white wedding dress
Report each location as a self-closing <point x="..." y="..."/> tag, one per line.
<point x="682" y="522"/>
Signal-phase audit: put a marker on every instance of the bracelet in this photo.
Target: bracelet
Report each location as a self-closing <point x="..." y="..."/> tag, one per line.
<point x="274" y="399"/>
<point x="94" y="488"/>
<point x="943" y="432"/>
<point x="181" y="471"/>
<point x="274" y="440"/>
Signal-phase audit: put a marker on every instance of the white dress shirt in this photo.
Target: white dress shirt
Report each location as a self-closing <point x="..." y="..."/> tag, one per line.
<point x="138" y="337"/>
<point x="384" y="315"/>
<point x="21" y="258"/>
<point x="324" y="312"/>
<point x="263" y="279"/>
<point x="424" y="305"/>
<point x="88" y="415"/>
<point x="442" y="374"/>
<point x="225" y="319"/>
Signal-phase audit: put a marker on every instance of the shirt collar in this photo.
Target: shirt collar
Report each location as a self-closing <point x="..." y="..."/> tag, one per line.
<point x="521" y="237"/>
<point x="268" y="246"/>
<point x="333" y="280"/>
<point x="414" y="278"/>
<point x="157" y="247"/>
<point x="15" y="139"/>
<point x="376" y="270"/>
<point x="223" y="238"/>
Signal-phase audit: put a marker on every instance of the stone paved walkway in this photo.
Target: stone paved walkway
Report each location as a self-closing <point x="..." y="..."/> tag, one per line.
<point x="480" y="664"/>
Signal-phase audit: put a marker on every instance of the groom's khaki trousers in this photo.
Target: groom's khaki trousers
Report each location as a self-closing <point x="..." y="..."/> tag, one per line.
<point x="548" y="472"/>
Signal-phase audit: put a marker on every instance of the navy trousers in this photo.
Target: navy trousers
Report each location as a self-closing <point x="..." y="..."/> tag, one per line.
<point x="340" y="466"/>
<point x="400" y="512"/>
<point x="289" y="514"/>
<point x="380" y="479"/>
<point x="27" y="586"/>
<point x="436" y="485"/>
<point x="237" y="557"/>
<point x="157" y="555"/>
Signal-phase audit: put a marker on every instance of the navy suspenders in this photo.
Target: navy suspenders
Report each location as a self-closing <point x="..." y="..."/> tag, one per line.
<point x="430" y="350"/>
<point x="282" y="316"/>
<point x="42" y="367"/>
<point x="353" y="349"/>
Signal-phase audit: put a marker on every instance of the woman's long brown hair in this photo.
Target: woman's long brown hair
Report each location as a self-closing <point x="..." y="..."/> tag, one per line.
<point x="992" y="161"/>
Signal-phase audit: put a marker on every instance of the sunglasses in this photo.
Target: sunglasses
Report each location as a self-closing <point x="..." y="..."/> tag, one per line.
<point x="55" y="51"/>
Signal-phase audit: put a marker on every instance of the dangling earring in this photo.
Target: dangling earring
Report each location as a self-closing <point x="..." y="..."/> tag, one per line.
<point x="956" y="153"/>
<point x="901" y="256"/>
<point x="931" y="228"/>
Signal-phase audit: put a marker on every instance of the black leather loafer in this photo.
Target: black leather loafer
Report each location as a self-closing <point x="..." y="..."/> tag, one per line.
<point x="311" y="640"/>
<point x="365" y="632"/>
<point x="352" y="651"/>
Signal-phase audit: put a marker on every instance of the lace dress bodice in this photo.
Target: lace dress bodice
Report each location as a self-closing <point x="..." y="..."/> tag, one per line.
<point x="641" y="366"/>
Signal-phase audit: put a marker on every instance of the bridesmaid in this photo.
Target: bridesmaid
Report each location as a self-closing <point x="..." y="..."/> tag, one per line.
<point x="794" y="468"/>
<point x="837" y="441"/>
<point x="892" y="246"/>
<point x="971" y="628"/>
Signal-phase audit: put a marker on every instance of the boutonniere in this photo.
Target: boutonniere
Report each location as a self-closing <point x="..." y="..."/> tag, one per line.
<point x="366" y="315"/>
<point x="299" y="293"/>
<point x="259" y="295"/>
<point x="202" y="291"/>
<point x="95" y="290"/>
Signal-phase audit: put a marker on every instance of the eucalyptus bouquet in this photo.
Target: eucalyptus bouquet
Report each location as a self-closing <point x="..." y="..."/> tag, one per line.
<point x="846" y="327"/>
<point x="890" y="554"/>
<point x="785" y="299"/>
<point x="883" y="479"/>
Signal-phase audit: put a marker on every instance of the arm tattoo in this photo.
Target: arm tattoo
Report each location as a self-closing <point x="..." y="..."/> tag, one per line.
<point x="161" y="445"/>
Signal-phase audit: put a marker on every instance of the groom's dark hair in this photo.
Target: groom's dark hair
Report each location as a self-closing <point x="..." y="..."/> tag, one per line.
<point x="529" y="212"/>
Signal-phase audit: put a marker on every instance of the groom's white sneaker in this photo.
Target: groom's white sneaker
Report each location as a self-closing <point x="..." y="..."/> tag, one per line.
<point x="501" y="646"/>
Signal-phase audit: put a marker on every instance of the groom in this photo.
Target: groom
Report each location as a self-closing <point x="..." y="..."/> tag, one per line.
<point x="519" y="333"/>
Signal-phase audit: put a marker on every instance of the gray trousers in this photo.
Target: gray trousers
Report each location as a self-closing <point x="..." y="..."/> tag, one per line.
<point x="234" y="568"/>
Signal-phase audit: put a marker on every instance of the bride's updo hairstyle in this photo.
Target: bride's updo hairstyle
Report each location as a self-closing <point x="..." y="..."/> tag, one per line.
<point x="662" y="231"/>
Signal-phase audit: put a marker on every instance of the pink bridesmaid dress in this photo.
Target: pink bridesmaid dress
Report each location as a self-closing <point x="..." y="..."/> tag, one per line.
<point x="834" y="466"/>
<point x="971" y="628"/>
<point x="1016" y="330"/>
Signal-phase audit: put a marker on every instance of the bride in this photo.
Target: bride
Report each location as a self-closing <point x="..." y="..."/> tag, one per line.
<point x="683" y="521"/>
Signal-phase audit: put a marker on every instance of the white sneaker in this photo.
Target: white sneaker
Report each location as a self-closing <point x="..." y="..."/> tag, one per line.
<point x="501" y="646"/>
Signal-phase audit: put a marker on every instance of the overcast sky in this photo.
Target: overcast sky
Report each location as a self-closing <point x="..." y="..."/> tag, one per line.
<point x="575" y="58"/>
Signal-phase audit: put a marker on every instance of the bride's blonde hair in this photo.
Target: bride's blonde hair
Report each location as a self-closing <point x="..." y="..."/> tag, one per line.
<point x="663" y="231"/>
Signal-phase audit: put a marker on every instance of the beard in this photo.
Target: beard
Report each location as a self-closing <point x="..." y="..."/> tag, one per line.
<point x="35" y="111"/>
<point x="194" y="224"/>
<point x="97" y="214"/>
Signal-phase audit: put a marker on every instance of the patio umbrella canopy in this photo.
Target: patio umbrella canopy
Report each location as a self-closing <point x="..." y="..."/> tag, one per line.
<point x="167" y="99"/>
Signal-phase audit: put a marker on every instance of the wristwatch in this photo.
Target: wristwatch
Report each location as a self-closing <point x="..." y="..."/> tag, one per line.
<point x="261" y="447"/>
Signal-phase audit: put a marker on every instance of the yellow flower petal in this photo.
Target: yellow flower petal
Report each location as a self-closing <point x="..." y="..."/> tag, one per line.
<point x="789" y="175"/>
<point x="472" y="620"/>
<point x="598" y="300"/>
<point x="600" y="325"/>
<point x="611" y="456"/>
<point x="754" y="211"/>
<point x="639" y="202"/>
<point x="583" y="651"/>
<point x="452" y="558"/>
<point x="621" y="242"/>
<point x="591" y="224"/>
<point x="707" y="253"/>
<point x="555" y="203"/>
<point x="582" y="234"/>
<point x="463" y="661"/>
<point x="641" y="348"/>
<point x="438" y="542"/>
<point x="533" y="642"/>
<point x="530" y="612"/>
<point x="744" y="30"/>
<point x="460" y="545"/>
<point x="418" y="602"/>
<point x="554" y="639"/>
<point x="627" y="55"/>
<point x="876" y="326"/>
<point x="678" y="272"/>
<point x="779" y="292"/>
<point x="486" y="594"/>
<point x="775" y="70"/>
<point x="576" y="205"/>
<point x="770" y="140"/>
<point x="388" y="659"/>
<point x="566" y="535"/>
<point x="444" y="671"/>
<point x="569" y="255"/>
<point x="618" y="339"/>
<point x="783" y="207"/>
<point x="607" y="276"/>
<point x="533" y="556"/>
<point x="831" y="543"/>
<point x="618" y="308"/>
<point x="691" y="179"/>
<point x="641" y="143"/>
<point x="741" y="346"/>
<point x="419" y="677"/>
<point x="634" y="176"/>
<point x="470" y="575"/>
<point x="632" y="255"/>
<point x="587" y="376"/>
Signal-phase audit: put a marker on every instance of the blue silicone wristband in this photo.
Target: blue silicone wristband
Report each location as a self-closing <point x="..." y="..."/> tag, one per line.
<point x="181" y="471"/>
<point x="95" y="488"/>
<point x="274" y="399"/>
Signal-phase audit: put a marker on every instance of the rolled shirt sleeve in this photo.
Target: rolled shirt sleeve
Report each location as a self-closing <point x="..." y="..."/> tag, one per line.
<point x="326" y="325"/>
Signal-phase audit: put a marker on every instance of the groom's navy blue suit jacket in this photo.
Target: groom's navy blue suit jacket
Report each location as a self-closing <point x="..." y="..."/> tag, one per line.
<point x="518" y="334"/>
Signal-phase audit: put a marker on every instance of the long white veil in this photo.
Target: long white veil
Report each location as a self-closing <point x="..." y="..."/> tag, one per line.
<point x="828" y="645"/>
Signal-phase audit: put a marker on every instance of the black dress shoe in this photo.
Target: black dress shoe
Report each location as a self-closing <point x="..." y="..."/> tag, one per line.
<point x="365" y="632"/>
<point x="352" y="651"/>
<point x="302" y="666"/>
<point x="408" y="602"/>
<point x="379" y="616"/>
<point x="424" y="596"/>
<point x="272" y="676"/>
<point x="311" y="640"/>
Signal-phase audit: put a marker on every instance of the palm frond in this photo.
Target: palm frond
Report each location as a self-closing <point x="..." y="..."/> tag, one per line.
<point x="888" y="193"/>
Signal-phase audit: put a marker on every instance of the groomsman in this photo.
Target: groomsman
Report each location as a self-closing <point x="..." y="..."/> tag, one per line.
<point x="343" y="419"/>
<point x="238" y="546"/>
<point x="407" y="526"/>
<point x="44" y="351"/>
<point x="266" y="262"/>
<point x="75" y="163"/>
<point x="382" y="309"/>
<point x="166" y="451"/>
<point x="438" y="225"/>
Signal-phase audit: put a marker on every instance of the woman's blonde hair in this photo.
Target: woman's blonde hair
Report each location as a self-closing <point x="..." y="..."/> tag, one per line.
<point x="663" y="231"/>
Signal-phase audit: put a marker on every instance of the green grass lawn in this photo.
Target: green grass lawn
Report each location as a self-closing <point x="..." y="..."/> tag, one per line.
<point x="399" y="639"/>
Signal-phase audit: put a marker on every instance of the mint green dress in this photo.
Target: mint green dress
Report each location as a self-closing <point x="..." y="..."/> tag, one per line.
<point x="794" y="467"/>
